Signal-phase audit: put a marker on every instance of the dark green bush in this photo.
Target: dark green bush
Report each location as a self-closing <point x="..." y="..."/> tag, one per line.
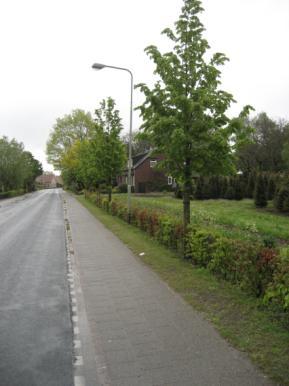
<point x="277" y="292"/>
<point x="122" y="188"/>
<point x="260" y="198"/>
<point x="281" y="199"/>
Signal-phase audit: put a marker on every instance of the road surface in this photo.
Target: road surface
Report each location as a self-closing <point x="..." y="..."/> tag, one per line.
<point x="35" y="323"/>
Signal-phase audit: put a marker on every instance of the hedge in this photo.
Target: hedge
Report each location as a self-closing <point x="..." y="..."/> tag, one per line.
<point x="259" y="269"/>
<point x="11" y="193"/>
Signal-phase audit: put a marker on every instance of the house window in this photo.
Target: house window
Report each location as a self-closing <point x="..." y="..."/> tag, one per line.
<point x="153" y="163"/>
<point x="170" y="180"/>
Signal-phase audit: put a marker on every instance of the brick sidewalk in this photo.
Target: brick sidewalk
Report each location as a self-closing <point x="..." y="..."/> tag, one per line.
<point x="142" y="332"/>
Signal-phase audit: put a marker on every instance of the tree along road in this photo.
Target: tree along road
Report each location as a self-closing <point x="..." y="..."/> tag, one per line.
<point x="35" y="325"/>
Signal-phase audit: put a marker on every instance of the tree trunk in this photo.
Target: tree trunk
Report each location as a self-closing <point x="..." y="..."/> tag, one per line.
<point x="187" y="205"/>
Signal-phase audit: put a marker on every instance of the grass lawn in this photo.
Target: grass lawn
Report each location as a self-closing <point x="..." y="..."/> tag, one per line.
<point x="238" y="317"/>
<point x="237" y="219"/>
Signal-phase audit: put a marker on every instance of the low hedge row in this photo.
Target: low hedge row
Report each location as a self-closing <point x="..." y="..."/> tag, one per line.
<point x="11" y="193"/>
<point x="254" y="267"/>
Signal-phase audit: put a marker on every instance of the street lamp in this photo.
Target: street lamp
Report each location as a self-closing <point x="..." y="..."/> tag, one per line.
<point x="99" y="66"/>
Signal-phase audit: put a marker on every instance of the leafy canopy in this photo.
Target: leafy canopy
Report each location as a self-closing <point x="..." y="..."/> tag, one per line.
<point x="72" y="127"/>
<point x="185" y="112"/>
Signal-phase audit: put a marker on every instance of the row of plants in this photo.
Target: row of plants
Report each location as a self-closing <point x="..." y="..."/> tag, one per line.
<point x="263" y="187"/>
<point x="11" y="193"/>
<point x="258" y="268"/>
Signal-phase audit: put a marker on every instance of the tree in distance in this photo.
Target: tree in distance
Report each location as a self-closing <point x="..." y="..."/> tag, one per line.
<point x="184" y="113"/>
<point x="78" y="125"/>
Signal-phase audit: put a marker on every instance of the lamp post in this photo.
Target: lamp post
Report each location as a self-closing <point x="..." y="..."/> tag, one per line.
<point x="99" y="66"/>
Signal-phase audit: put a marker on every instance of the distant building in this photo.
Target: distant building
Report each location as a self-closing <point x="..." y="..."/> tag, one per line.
<point x="146" y="177"/>
<point x="48" y="180"/>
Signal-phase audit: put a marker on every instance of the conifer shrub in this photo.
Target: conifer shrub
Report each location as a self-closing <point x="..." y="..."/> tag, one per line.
<point x="281" y="199"/>
<point x="271" y="188"/>
<point x="260" y="199"/>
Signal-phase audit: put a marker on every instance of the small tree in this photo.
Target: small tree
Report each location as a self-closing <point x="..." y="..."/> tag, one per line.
<point x="109" y="147"/>
<point x="185" y="113"/>
<point x="260" y="198"/>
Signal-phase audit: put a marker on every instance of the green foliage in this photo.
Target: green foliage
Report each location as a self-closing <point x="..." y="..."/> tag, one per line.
<point x="88" y="153"/>
<point x="184" y="113"/>
<point x="278" y="291"/>
<point x="73" y="127"/>
<point x="267" y="149"/>
<point x="18" y="168"/>
<point x="260" y="198"/>
<point x="255" y="268"/>
<point x="281" y="199"/>
<point x="110" y="150"/>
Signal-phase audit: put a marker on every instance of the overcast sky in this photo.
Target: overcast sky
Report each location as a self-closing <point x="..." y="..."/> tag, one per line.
<point x="48" y="47"/>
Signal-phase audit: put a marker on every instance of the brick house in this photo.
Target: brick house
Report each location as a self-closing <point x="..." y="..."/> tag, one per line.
<point x="48" y="181"/>
<point x="146" y="177"/>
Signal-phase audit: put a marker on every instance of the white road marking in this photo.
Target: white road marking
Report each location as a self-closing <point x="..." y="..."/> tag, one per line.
<point x="79" y="381"/>
<point x="78" y="360"/>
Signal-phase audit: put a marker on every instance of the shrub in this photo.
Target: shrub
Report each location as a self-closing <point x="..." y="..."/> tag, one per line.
<point x="260" y="198"/>
<point x="254" y="267"/>
<point x="281" y="199"/>
<point x="122" y="188"/>
<point x="278" y="290"/>
<point x="202" y="244"/>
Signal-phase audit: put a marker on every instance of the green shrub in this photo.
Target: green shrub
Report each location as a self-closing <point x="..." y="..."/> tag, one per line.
<point x="202" y="245"/>
<point x="281" y="199"/>
<point x="260" y="198"/>
<point x="11" y="193"/>
<point x="122" y="188"/>
<point x="255" y="267"/>
<point x="278" y="290"/>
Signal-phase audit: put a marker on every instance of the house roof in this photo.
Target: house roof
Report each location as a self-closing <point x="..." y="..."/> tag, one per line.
<point x="46" y="179"/>
<point x="140" y="158"/>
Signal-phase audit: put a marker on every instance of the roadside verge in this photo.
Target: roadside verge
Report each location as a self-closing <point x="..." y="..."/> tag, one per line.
<point x="238" y="317"/>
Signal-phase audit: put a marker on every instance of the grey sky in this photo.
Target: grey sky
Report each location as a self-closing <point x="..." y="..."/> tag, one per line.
<point x="48" y="47"/>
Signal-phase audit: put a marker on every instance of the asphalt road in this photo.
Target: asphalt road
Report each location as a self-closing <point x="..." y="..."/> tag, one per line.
<point x="35" y="326"/>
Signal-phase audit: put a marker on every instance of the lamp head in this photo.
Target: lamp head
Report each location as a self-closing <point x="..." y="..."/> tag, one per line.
<point x="98" y="66"/>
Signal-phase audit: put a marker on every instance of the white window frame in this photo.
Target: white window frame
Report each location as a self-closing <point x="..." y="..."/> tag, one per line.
<point x="170" y="180"/>
<point x="153" y="163"/>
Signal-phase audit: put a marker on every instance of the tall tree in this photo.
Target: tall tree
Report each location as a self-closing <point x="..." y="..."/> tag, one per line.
<point x="78" y="125"/>
<point x="139" y="144"/>
<point x="268" y="149"/>
<point x="18" y="168"/>
<point x="32" y="169"/>
<point x="185" y="112"/>
<point x="109" y="148"/>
